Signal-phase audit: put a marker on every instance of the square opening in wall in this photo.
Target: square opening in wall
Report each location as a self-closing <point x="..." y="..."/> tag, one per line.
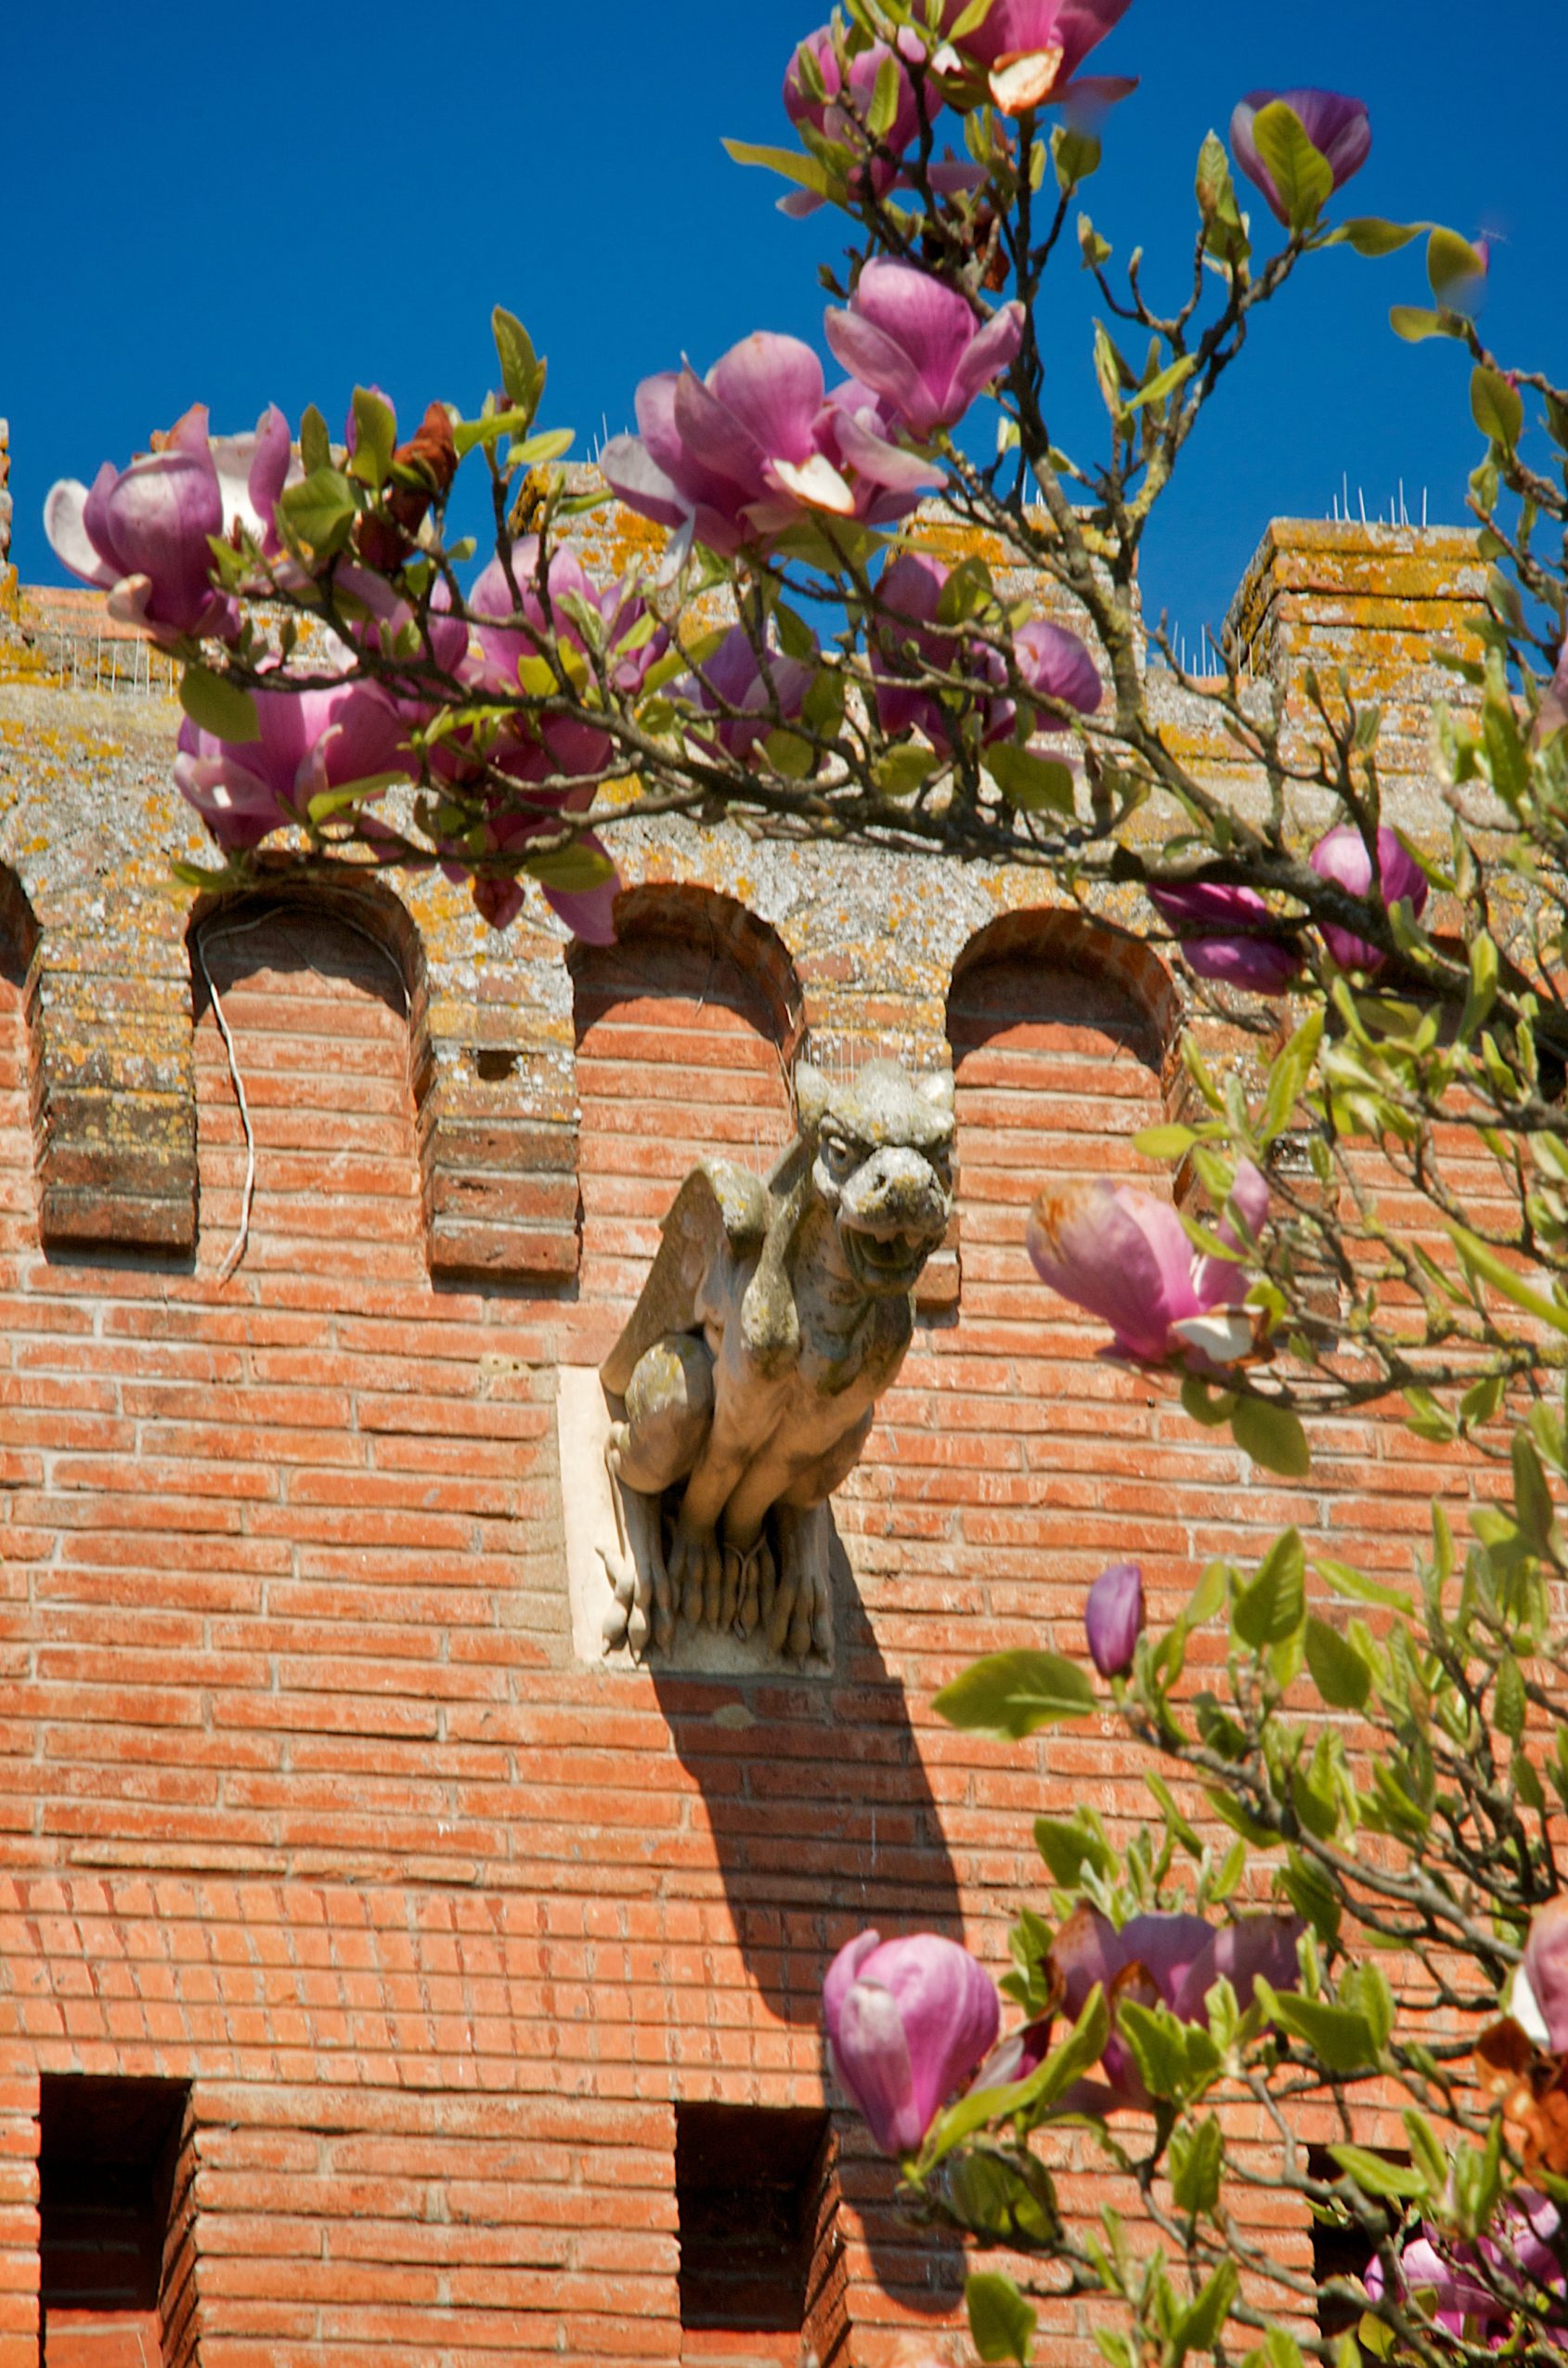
<point x="1339" y="2251"/>
<point x="755" y="2194"/>
<point x="108" y="2171"/>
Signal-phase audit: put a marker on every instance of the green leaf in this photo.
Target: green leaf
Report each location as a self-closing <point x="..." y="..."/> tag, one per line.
<point x="315" y="443"/>
<point x="1174" y="1821"/>
<point x="1155" y="2039"/>
<point x="1001" y="2322"/>
<point x="795" y="637"/>
<point x="1453" y="266"/>
<point x="1342" y="2038"/>
<point x="1365" y="1987"/>
<point x="1273" y="1437"/>
<point x="523" y="373"/>
<point x="1339" y="1673"/>
<point x="1075" y="154"/>
<point x="1274" y="1605"/>
<point x="1230" y="1813"/>
<point x="1156" y="389"/>
<point x="1496" y="407"/>
<point x="216" y="705"/>
<point x="1344" y="1581"/>
<point x="1310" y="1893"/>
<point x="375" y="433"/>
<point x="327" y="803"/>
<point x="1413" y="322"/>
<point x="1001" y="2196"/>
<point x="1426" y="2154"/>
<point x="898" y="773"/>
<point x="969" y="20"/>
<point x="319" y="511"/>
<point x="1485" y="1264"/>
<point x="1164" y="1142"/>
<point x="1533" y="1506"/>
<point x="1011" y="1694"/>
<point x="1094" y="249"/>
<point x="1375" y="2176"/>
<point x="469" y="433"/>
<point x="573" y="870"/>
<point x="1070" y="1845"/>
<point x="884" y="100"/>
<point x="1224" y="234"/>
<point x="805" y="170"/>
<point x="1510" y="1706"/>
<point x="548" y="445"/>
<point x="980" y="2108"/>
<point x="1197" y="2153"/>
<point x="1033" y="784"/>
<point x="1302" y="175"/>
<point x="1203" y="1403"/>
<point x="1198" y="2328"/>
<point x="1287" y="1076"/>
<point x="1371" y="236"/>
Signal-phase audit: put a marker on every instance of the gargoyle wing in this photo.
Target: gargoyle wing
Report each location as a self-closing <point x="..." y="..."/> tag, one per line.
<point x="720" y="1210"/>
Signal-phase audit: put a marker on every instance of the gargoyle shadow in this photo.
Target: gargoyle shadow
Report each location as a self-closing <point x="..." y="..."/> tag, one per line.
<point x="823" y="1822"/>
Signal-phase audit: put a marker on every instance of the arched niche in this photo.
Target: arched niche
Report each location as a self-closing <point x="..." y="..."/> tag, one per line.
<point x="686" y="1029"/>
<point x="1063" y="1030"/>
<point x="312" y="1065"/>
<point x="18" y="956"/>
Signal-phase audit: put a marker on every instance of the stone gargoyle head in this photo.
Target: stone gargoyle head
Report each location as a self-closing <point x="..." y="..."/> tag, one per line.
<point x="880" y="1154"/>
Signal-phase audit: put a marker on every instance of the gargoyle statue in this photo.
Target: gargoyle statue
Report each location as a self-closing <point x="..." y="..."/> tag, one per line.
<point x="774" y="1316"/>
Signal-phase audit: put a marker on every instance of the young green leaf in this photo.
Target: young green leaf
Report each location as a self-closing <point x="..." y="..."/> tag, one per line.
<point x="1273" y="1605"/>
<point x="216" y="705"/>
<point x="1497" y="407"/>
<point x="1300" y="173"/>
<point x="1338" y="1670"/>
<point x="1001" y="2322"/>
<point x="1011" y="1694"/>
<point x="1273" y="1437"/>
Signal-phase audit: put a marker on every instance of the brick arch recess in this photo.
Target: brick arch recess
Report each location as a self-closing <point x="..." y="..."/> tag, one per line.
<point x="685" y="1032"/>
<point x="318" y="1010"/>
<point x="1011" y="1463"/>
<point x="18" y="1215"/>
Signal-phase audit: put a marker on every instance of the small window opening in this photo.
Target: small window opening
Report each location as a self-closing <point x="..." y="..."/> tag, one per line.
<point x="110" y="2167"/>
<point x="1340" y="2249"/>
<point x="756" y="2198"/>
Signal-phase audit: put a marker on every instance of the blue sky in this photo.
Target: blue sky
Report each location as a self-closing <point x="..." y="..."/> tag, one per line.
<point x="257" y="205"/>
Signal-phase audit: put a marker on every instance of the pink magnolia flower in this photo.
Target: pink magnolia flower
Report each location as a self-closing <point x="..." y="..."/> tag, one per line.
<point x="745" y="705"/>
<point x="840" y="116"/>
<point x="1343" y="856"/>
<point x="1540" y="1986"/>
<point x="858" y="430"/>
<point x="1030" y="50"/>
<point x="1340" y="128"/>
<point x="498" y="891"/>
<point x="1125" y="1257"/>
<point x="1113" y="1618"/>
<point x="1050" y="661"/>
<point x="1465" y="2278"/>
<point x="1226" y="934"/>
<point x="504" y="647"/>
<point x="1158" y="1959"/>
<point x="907" y="2022"/>
<point x="734" y="458"/>
<point x="916" y="342"/>
<point x="308" y="742"/>
<point x="144" y="533"/>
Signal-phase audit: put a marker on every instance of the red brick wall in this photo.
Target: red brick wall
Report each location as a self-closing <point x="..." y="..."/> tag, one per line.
<point x="302" y="1796"/>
